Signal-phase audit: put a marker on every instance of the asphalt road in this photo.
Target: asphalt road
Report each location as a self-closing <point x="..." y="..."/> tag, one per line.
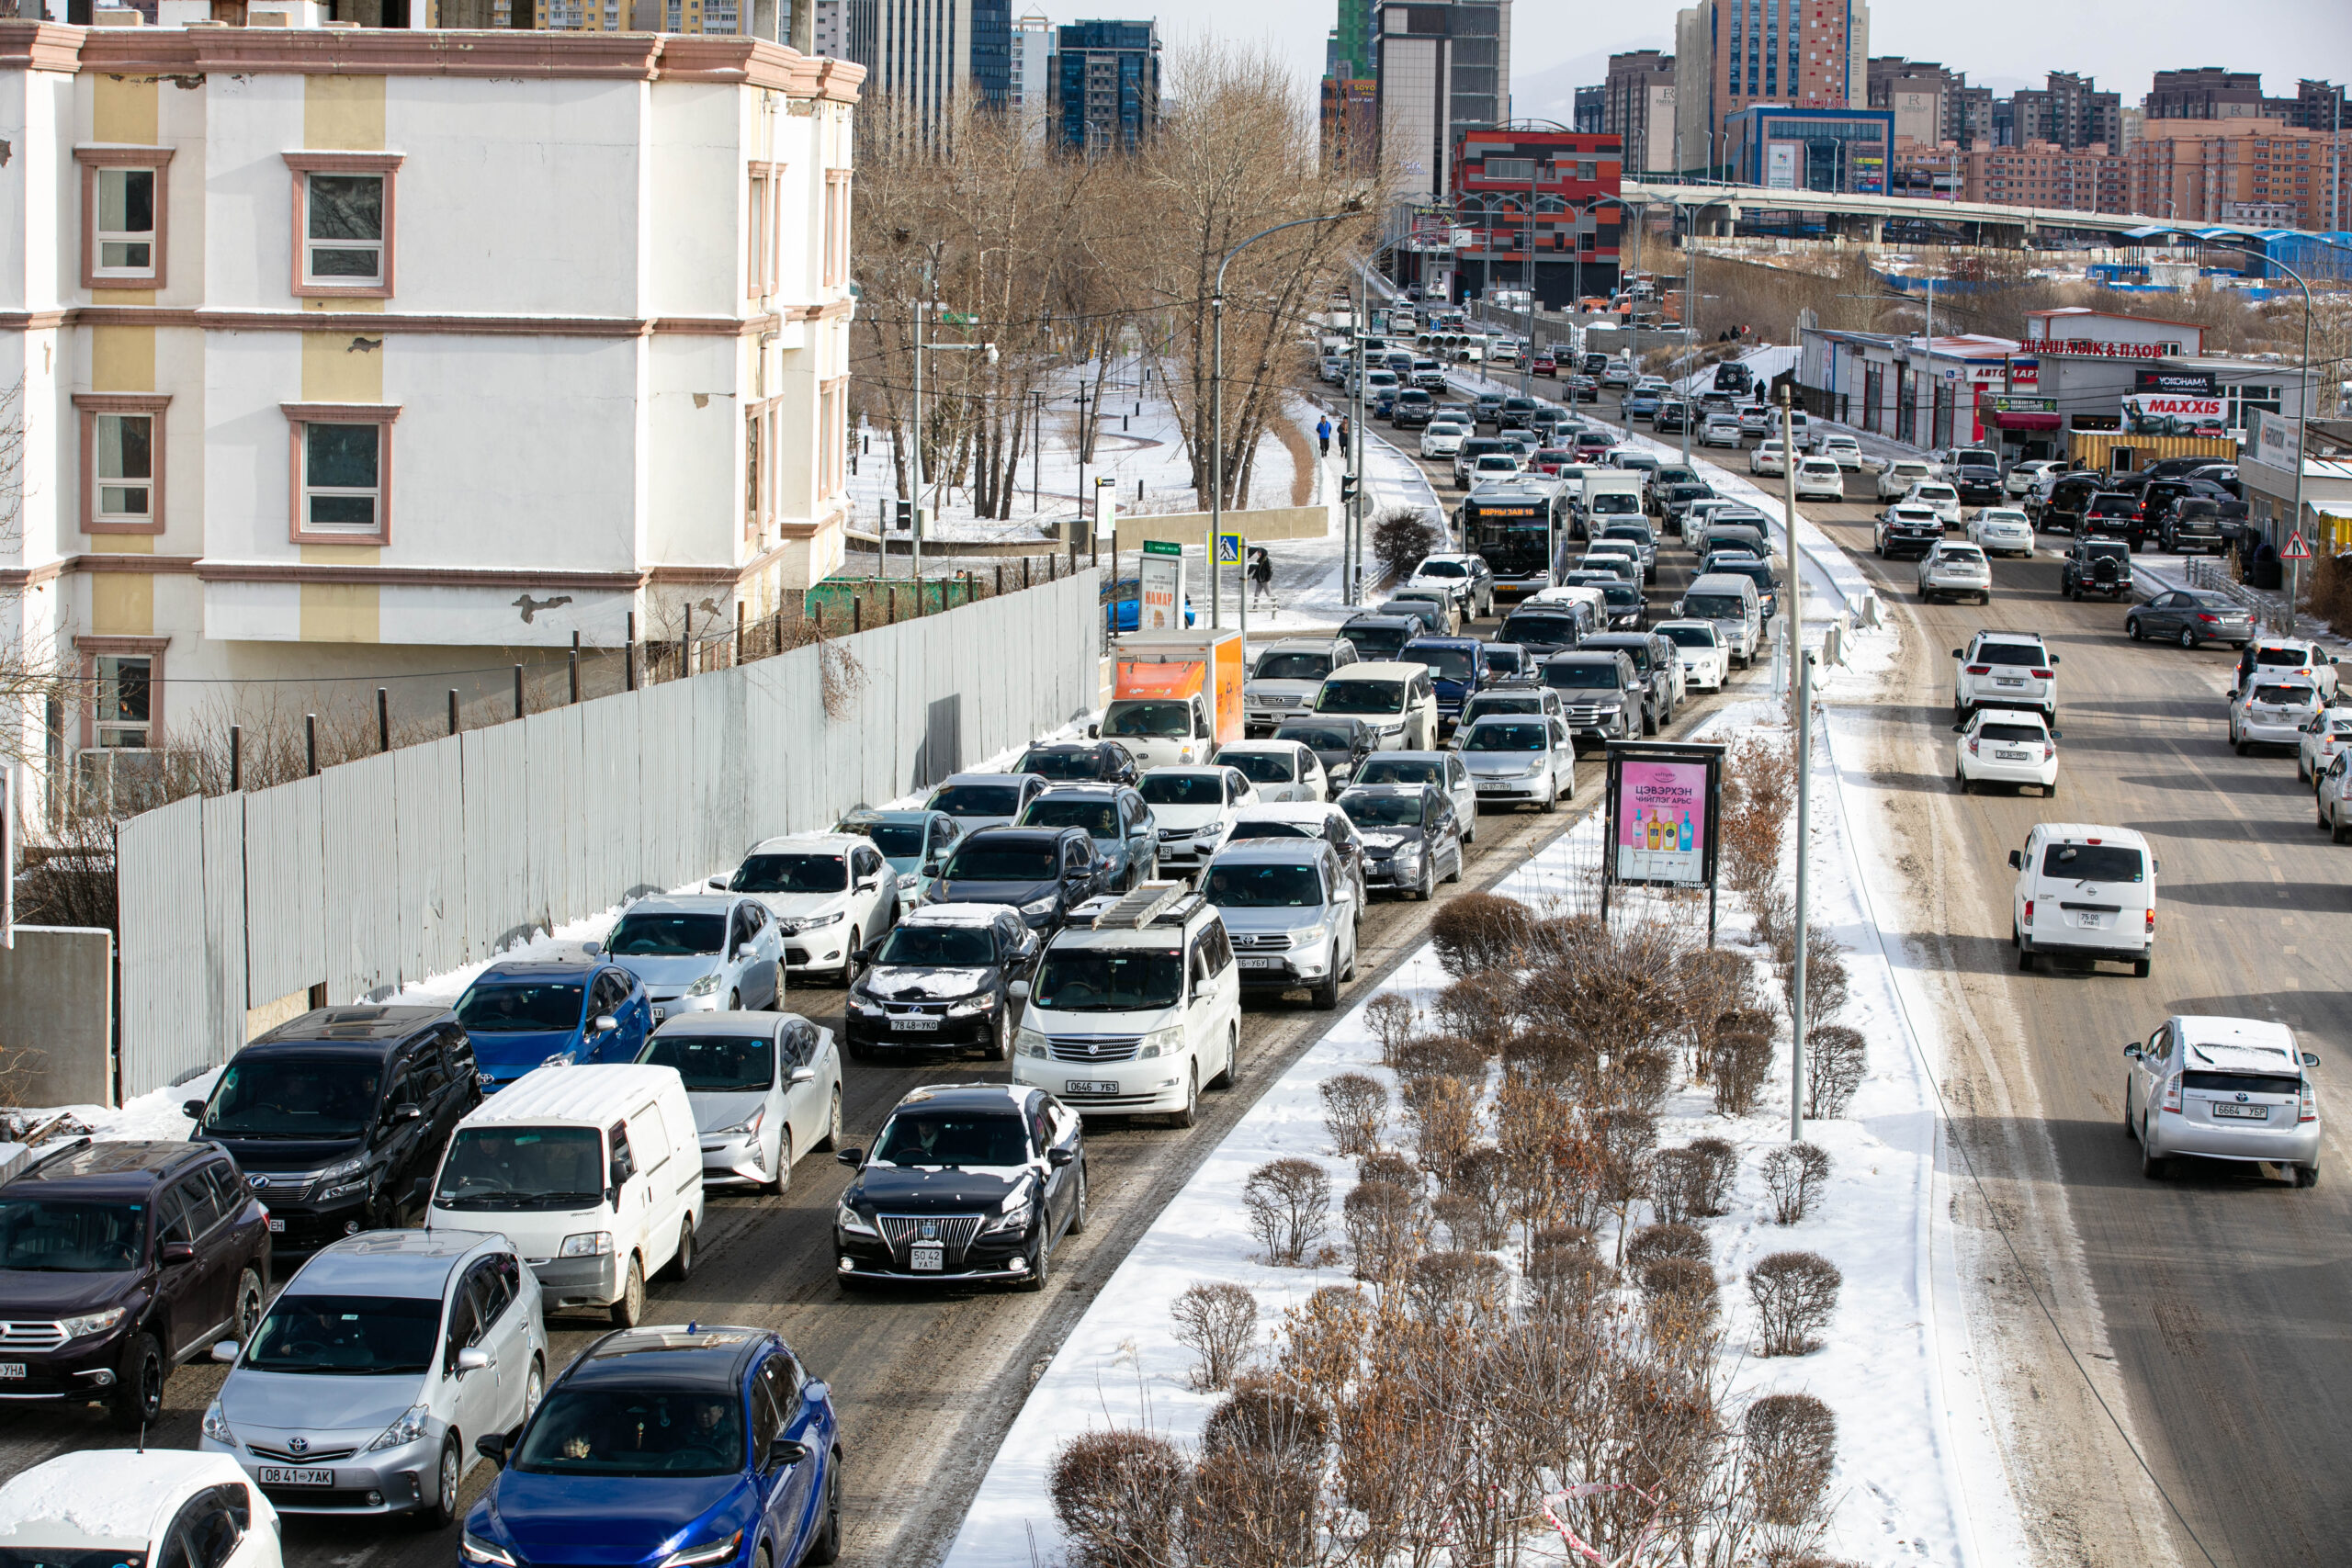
<point x="927" y="1381"/>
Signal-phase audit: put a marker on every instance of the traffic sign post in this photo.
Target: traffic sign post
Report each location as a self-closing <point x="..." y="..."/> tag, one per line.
<point x="2296" y="553"/>
<point x="2296" y="549"/>
<point x="1228" y="550"/>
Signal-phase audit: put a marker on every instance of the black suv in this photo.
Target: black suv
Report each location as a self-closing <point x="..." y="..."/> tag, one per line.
<point x="339" y="1117"/>
<point x="1656" y="660"/>
<point x="2114" y="514"/>
<point x="1104" y="762"/>
<point x="939" y="982"/>
<point x="2063" y="508"/>
<point x="2101" y="567"/>
<point x="2197" y="522"/>
<point x="1601" y="694"/>
<point x="120" y="1260"/>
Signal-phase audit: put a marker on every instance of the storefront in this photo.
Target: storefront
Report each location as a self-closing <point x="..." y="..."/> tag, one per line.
<point x="2268" y="472"/>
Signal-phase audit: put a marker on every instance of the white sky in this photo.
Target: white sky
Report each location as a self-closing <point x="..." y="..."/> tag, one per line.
<point x="1997" y="42"/>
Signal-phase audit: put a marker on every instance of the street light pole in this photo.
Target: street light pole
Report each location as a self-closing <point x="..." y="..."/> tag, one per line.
<point x="1801" y="689"/>
<point x="1527" y="348"/>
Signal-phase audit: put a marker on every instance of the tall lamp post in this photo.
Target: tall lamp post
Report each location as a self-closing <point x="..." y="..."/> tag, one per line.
<point x="1216" y="403"/>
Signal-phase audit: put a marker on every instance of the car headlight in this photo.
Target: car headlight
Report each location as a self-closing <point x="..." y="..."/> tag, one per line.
<point x="818" y="922"/>
<point x="407" y="1429"/>
<point x="849" y="1219"/>
<point x="1310" y="936"/>
<point x="560" y="1059"/>
<point x="706" y="986"/>
<point x="587" y="1244"/>
<point x="1162" y="1042"/>
<point x="216" y="1426"/>
<point x="1042" y="906"/>
<point x="865" y="1007"/>
<point x="970" y="1006"/>
<point x="908" y="879"/>
<point x="342" y="1190"/>
<point x="341" y="1170"/>
<point x="483" y="1553"/>
<point x="746" y="1127"/>
<point x="704" y="1556"/>
<point x="1014" y="1214"/>
<point x="1407" y="855"/>
<point x="93" y="1323"/>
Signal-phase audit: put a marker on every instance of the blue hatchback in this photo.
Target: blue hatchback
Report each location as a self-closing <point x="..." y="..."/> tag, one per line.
<point x="521" y="1016"/>
<point x="678" y="1446"/>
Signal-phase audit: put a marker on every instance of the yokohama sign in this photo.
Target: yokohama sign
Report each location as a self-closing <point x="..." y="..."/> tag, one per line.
<point x="2097" y="348"/>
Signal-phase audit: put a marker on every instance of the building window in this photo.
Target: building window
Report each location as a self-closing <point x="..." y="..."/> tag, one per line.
<point x="763" y="214"/>
<point x="837" y="210"/>
<point x="123" y="215"/>
<point x="340" y="472"/>
<point x="126" y="713"/>
<point x="832" y="435"/>
<point x="123" y="462"/>
<point x="344" y="222"/>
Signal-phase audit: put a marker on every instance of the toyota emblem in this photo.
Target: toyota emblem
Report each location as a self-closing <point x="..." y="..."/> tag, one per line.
<point x="298" y="1445"/>
<point x="931" y="1230"/>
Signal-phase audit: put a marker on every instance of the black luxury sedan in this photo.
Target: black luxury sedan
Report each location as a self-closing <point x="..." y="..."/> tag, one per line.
<point x="937" y="983"/>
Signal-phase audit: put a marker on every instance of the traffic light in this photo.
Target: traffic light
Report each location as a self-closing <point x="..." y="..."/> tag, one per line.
<point x="906" y="515"/>
<point x="1348" y="486"/>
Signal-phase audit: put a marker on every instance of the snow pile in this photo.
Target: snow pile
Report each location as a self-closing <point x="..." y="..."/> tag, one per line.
<point x="103" y="1497"/>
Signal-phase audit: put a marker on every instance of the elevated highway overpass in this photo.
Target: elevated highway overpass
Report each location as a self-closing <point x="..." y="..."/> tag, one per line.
<point x="1717" y="206"/>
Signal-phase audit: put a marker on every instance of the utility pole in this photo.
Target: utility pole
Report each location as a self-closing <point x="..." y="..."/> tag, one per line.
<point x="1801" y="687"/>
<point x="1351" y="567"/>
<point x="1690" y="331"/>
<point x="914" y="513"/>
<point x="1527" y="348"/>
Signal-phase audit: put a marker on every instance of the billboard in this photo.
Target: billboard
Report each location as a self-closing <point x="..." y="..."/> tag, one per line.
<point x="1162" y="583"/>
<point x="1661" y="821"/>
<point x="2277" y="440"/>
<point x="2179" y="383"/>
<point x="1781" y="166"/>
<point x="2157" y="413"/>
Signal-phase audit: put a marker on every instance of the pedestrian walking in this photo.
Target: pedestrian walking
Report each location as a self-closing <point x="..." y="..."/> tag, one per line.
<point x="1344" y="433"/>
<point x="1323" y="434"/>
<point x="1261" y="577"/>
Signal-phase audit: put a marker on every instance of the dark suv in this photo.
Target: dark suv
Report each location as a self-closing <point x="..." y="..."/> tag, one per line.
<point x="118" y="1261"/>
<point x="1600" y="696"/>
<point x="2102" y="567"/>
<point x="2114" y="514"/>
<point x="2063" y="508"/>
<point x="339" y="1117"/>
<point x="1658" y="664"/>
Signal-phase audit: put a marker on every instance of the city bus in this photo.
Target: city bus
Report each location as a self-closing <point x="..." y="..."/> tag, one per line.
<point x="1516" y="526"/>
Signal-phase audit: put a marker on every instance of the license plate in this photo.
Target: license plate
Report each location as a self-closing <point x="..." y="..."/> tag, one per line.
<point x="2089" y="921"/>
<point x="271" y="1475"/>
<point x="277" y="1227"/>
<point x="660" y="1013"/>
<point x="2005" y="681"/>
<point x="1088" y="1086"/>
<point x="11" y="1372"/>
<point x="914" y="1023"/>
<point x="2011" y="756"/>
<point x="927" y="1257"/>
<point x="2242" y="1112"/>
<point x="1257" y="964"/>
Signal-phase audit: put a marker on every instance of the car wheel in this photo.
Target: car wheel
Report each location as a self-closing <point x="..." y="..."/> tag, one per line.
<point x="2336" y="832"/>
<point x="1078" y="1208"/>
<point x="2302" y="773"/>
<point x="1959" y="778"/>
<point x="1551" y="800"/>
<point x="2140" y="968"/>
<point x="2152" y="1165"/>
<point x="1041" y="1268"/>
<point x="2307" y="1175"/>
<point x="1192" y="1111"/>
<point x="2187" y="637"/>
<point x="783" y="1177"/>
<point x="249" y="1303"/>
<point x="2131" y="627"/>
<point x="833" y="1138"/>
<point x="535" y="1387"/>
<point x="630" y="1307"/>
<point x="2025" y="953"/>
<point x="2319" y="809"/>
<point x="734" y="1001"/>
<point x="442" y="1512"/>
<point x="1000" y="1049"/>
<point x="826" y="1547"/>
<point x="775" y="995"/>
<point x="139" y="1387"/>
<point x="682" y="1262"/>
<point x="1428" y="883"/>
<point x="2130" y="1128"/>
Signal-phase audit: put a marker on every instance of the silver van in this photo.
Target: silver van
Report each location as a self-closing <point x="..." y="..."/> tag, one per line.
<point x="1731" y="601"/>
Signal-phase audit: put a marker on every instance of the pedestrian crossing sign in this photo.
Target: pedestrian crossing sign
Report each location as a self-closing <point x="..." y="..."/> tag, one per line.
<point x="1228" y="550"/>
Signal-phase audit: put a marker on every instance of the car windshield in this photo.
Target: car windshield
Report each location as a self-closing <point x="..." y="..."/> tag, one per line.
<point x="1700" y="636"/>
<point x="1278" y="665"/>
<point x="1447" y="663"/>
<point x="503" y="1167"/>
<point x="2010" y="653"/>
<point x="1182" y="789"/>
<point x="38" y="1235"/>
<point x="1503" y="662"/>
<point x="648" y="933"/>
<point x="1962" y="556"/>
<point x="2092" y="862"/>
<point x="896" y="841"/>
<point x="1505" y="737"/>
<point x="1387" y="768"/>
<point x="800" y="873"/>
<point x="1271" y="830"/>
<point x="1442" y="569"/>
<point x="1581" y="677"/>
<point x="922" y="1137"/>
<point x="2018" y="732"/>
<point x="1081" y="764"/>
<point x="1715" y="606"/>
<point x="1004" y="799"/>
<point x="1099" y="818"/>
<point x="1613" y="502"/>
<point x="1261" y="767"/>
<point x="2292" y="697"/>
<point x="504" y="1007"/>
<point x="715" y="1064"/>
<point x="347" y="1337"/>
<point x="938" y="947"/>
<point x="600" y="1430"/>
<point x="1360" y="696"/>
<point x="1109" y="979"/>
<point x="1383" y="810"/>
<point x="1621" y="595"/>
<point x="1541" y="629"/>
<point x="1265" y="886"/>
<point x="293" y="1098"/>
<point x="1379" y="642"/>
<point x="989" y="861"/>
<point x="1315" y="737"/>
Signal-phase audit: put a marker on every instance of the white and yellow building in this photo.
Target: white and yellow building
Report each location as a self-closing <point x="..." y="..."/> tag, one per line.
<point x="351" y="353"/>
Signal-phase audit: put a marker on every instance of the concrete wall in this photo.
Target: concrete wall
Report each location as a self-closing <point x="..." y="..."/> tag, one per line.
<point x="57" y="995"/>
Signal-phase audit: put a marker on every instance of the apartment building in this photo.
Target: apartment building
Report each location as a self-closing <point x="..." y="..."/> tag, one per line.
<point x="1443" y="70"/>
<point x="2067" y="109"/>
<point x="930" y="54"/>
<point x="1732" y="54"/>
<point x="2262" y="172"/>
<point x="2043" y="173"/>
<point x="358" y="356"/>
<point x="1637" y="107"/>
<point x="1915" y="90"/>
<point x="1105" y="78"/>
<point x="1033" y="68"/>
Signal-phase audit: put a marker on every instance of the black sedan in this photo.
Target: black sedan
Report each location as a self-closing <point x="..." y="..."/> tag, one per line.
<point x="1100" y="762"/>
<point x="966" y="1183"/>
<point x="1044" y="873"/>
<point x="2188" y="616"/>
<point x="938" y="982"/>
<point x="1412" y="840"/>
<point x="1339" y="743"/>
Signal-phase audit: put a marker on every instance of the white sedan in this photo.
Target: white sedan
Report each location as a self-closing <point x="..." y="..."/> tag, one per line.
<point x="2002" y="528"/>
<point x="1895" y="481"/>
<point x="1941" y="497"/>
<point x="1955" y="571"/>
<point x="1843" y="450"/>
<point x="1820" y="479"/>
<point x="1770" y="458"/>
<point x="2025" y="478"/>
<point x="2326" y="738"/>
<point x="1444" y="439"/>
<point x="1283" y="770"/>
<point x="1720" y="430"/>
<point x="2009" y="746"/>
<point x="1706" y="656"/>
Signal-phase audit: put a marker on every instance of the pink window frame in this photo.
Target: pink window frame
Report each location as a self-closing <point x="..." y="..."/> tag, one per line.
<point x="150" y="649"/>
<point x="303" y="166"/>
<point x="299" y="418"/>
<point x="92" y="404"/>
<point x="92" y="160"/>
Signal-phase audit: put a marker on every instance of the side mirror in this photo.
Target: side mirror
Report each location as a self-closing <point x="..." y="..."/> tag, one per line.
<point x="193" y="1110"/>
<point x="408" y="1112"/>
<point x="717" y="884"/>
<point x="1018" y="991"/>
<point x="931" y="868"/>
<point x="1960" y="729"/>
<point x="1094" y="732"/>
<point x="2131" y="1049"/>
<point x="2055" y="659"/>
<point x="2017" y="860"/>
<point x="225" y="1350"/>
<point x="592" y="948"/>
<point x="2057" y="735"/>
<point x="177" y="1252"/>
<point x="605" y="1023"/>
<point x="493" y="1446"/>
<point x="2310" y="1058"/>
<point x="816" y="1391"/>
<point x="1058" y="1157"/>
<point x="1956" y="653"/>
<point x="802" y="1075"/>
<point x="473" y="1359"/>
<point x="420" y="1189"/>
<point x="849" y="1156"/>
<point x="784" y="1453"/>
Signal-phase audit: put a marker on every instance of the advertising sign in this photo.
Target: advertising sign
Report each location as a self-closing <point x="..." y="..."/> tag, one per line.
<point x="1106" y="507"/>
<point x="1661" y="822"/>
<point x="1869" y="175"/>
<point x="2158" y="415"/>
<point x="1161" y="579"/>
<point x="2279" y="441"/>
<point x="2179" y="383"/>
<point x="2097" y="348"/>
<point x="1781" y="166"/>
<point x="2010" y="402"/>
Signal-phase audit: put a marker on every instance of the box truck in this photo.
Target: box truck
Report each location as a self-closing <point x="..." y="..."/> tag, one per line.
<point x="1178" y="697"/>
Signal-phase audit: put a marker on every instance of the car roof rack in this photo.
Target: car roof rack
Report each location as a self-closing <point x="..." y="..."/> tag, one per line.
<point x="1146" y="904"/>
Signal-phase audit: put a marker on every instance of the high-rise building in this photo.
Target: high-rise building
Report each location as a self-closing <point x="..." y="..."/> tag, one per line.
<point x="2205" y="92"/>
<point x="1539" y="209"/>
<point x="2319" y="106"/>
<point x="1033" y="57"/>
<point x="1350" y="124"/>
<point x="2262" y="172"/>
<point x="1591" y="109"/>
<point x="1637" y="107"/>
<point x="1915" y="90"/>
<point x="1351" y="46"/>
<point x="930" y="53"/>
<point x="1737" y="53"/>
<point x="830" y="28"/>
<point x="2069" y="110"/>
<point x="1106" y="84"/>
<point x="1967" y="111"/>
<point x="1444" y="69"/>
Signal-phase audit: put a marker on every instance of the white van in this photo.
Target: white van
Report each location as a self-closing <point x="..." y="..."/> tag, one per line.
<point x="1396" y="701"/>
<point x="1731" y="601"/>
<point x="2085" y="891"/>
<point x="1135" y="1007"/>
<point x="594" y="1172"/>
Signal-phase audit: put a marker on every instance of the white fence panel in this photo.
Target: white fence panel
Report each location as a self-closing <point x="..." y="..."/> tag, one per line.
<point x="496" y="839"/>
<point x="548" y="776"/>
<point x="286" y="942"/>
<point x="429" y="808"/>
<point x="160" y="863"/>
<point x="719" y="771"/>
<point x="610" y="796"/>
<point x="875" y="783"/>
<point x="665" y="728"/>
<point x="225" y="1000"/>
<point x="800" y="737"/>
<point x="362" y="865"/>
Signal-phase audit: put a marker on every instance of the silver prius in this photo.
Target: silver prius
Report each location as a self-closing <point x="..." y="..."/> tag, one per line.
<point x="2229" y="1088"/>
<point x="377" y="1366"/>
<point x="1517" y="759"/>
<point x="766" y="1088"/>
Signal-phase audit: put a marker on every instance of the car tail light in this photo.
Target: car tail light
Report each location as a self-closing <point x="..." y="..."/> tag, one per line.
<point x="2152" y="923"/>
<point x="2042" y="674"/>
<point x="1971" y="749"/>
<point x="2028" y="911"/>
<point x="2306" y="1105"/>
<point x="2209" y="620"/>
<point x="2172" y="1094"/>
<point x="1980" y="669"/>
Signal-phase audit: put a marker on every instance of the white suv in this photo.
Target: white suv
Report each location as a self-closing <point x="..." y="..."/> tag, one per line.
<point x="1770" y="458"/>
<point x="1895" y="481"/>
<point x="831" y="895"/>
<point x="1938" y="497"/>
<point x="2085" y="891"/>
<point x="1842" y="450"/>
<point x="1820" y="479"/>
<point x="1135" y="1007"/>
<point x="2005" y="670"/>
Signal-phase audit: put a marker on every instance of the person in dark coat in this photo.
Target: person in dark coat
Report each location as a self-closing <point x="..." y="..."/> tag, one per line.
<point x="1261" y="577"/>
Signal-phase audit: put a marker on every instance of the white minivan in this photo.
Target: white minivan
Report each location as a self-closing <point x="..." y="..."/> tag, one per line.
<point x="1729" y="600"/>
<point x="1396" y="701"/>
<point x="2087" y="892"/>
<point x="594" y="1172"/>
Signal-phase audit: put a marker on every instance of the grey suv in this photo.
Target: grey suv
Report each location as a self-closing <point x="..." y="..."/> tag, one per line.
<point x="1657" y="661"/>
<point x="1290" y="910"/>
<point x="1601" y="691"/>
<point x="1288" y="673"/>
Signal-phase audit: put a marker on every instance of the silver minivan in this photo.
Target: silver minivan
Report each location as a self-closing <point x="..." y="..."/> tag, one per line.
<point x="1290" y="909"/>
<point x="1731" y="601"/>
<point x="377" y="1366"/>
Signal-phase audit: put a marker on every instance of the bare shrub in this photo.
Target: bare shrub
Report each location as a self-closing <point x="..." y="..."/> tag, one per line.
<point x="1712" y="982"/>
<point x="1532" y="1124"/>
<point x="1825" y="973"/>
<point x="1440" y="1056"/>
<point x="1679" y="1305"/>
<point x="1482" y="1180"/>
<point x="1391" y="1018"/>
<point x="1354" y="1107"/>
<point x="1568" y="939"/>
<point x="1789" y="1448"/>
<point x="1444" y="1113"/>
<point x="1288" y="1202"/>
<point x="1218" y="1321"/>
<point x="1482" y="1009"/>
<point x="1694" y="1180"/>
<point x="1479" y="933"/>
<point x="1774" y="910"/>
<point x="1795" y="1175"/>
<point x="1741" y="1059"/>
<point x="1324" y="1339"/>
<point x="1720" y="1171"/>
<point x="1553" y="1057"/>
<point x="1667" y="1240"/>
<point x="1465" y="1225"/>
<point x="1565" y="1273"/>
<point x="1795" y="1294"/>
<point x="1256" y="1491"/>
<point x="1387" y="1164"/>
<point x="1401" y="536"/>
<point x="1836" y="1057"/>
<point x="1463" y="1285"/>
<point x="1386" y="1225"/>
<point x="1624" y="1141"/>
<point x="1119" y="1497"/>
<point x="1641" y="1078"/>
<point x="1759" y="789"/>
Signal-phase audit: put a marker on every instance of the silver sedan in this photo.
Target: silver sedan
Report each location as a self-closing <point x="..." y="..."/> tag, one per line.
<point x="1520" y="758"/>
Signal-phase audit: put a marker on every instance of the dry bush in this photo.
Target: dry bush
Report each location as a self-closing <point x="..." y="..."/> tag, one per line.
<point x="2329" y="595"/>
<point x="1550" y="1056"/>
<point x="1836" y="1057"/>
<point x="1797" y="1175"/>
<point x="1444" y="1113"/>
<point x="1391" y="1018"/>
<point x="1760" y="793"/>
<point x="1742" y="1058"/>
<point x="1712" y="983"/>
<point x="1218" y="1321"/>
<point x="1774" y="912"/>
<point x="1532" y="1124"/>
<point x="1288" y="1202"/>
<point x="1694" y="1180"/>
<point x="1354" y="1107"/>
<point x="1467" y="1285"/>
<point x="1623" y="1141"/>
<point x="1440" y="1056"/>
<point x="1566" y="1274"/>
<point x="1795" y="1294"/>
<point x="1640" y="1079"/>
<point x="1825" y="973"/>
<point x="1667" y="1240"/>
<point x="1479" y="933"/>
<point x="1386" y="1225"/>
<point x="1119" y="1497"/>
<point x="69" y="876"/>
<point x="1679" y="1307"/>
<point x="1482" y="1009"/>
<point x="1571" y="939"/>
<point x="1257" y="1489"/>
<point x="1323" y="1338"/>
<point x="1482" y="1180"/>
<point x="1401" y="536"/>
<point x="1463" y="1221"/>
<point x="1789" y="1444"/>
<point x="1387" y="1164"/>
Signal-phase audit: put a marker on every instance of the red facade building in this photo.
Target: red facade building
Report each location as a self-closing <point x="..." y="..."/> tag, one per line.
<point x="1540" y="207"/>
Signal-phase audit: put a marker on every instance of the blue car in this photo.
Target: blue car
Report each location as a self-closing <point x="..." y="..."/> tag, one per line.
<point x="1457" y="667"/>
<point x="1125" y="602"/>
<point x="526" y="1015"/>
<point x="680" y="1447"/>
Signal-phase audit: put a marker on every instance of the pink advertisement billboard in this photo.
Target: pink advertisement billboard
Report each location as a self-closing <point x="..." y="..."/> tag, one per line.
<point x="1661" y="825"/>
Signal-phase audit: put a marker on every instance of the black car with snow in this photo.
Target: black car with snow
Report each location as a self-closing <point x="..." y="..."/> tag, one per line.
<point x="965" y="1183"/>
<point x="938" y="982"/>
<point x="1044" y="873"/>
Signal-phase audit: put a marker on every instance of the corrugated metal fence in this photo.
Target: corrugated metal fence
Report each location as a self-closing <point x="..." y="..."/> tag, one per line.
<point x="393" y="868"/>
